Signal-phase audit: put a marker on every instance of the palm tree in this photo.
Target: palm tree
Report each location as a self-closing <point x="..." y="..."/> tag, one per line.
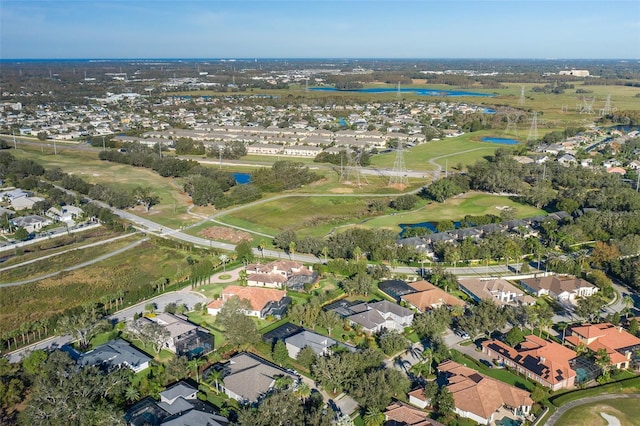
<point x="292" y="249"/>
<point x="373" y="417"/>
<point x="427" y="354"/>
<point x="303" y="391"/>
<point x="224" y="259"/>
<point x="628" y="303"/>
<point x="215" y="376"/>
<point x="261" y="246"/>
<point x="562" y="326"/>
<point x="131" y="393"/>
<point x="325" y="253"/>
<point x="357" y="253"/>
<point x="195" y="363"/>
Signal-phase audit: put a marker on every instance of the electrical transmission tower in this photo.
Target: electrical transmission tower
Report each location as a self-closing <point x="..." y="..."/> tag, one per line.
<point x="586" y="107"/>
<point x="352" y="173"/>
<point x="533" y="131"/>
<point x="608" y="109"/>
<point x="521" y="102"/>
<point x="399" y="172"/>
<point x="512" y="125"/>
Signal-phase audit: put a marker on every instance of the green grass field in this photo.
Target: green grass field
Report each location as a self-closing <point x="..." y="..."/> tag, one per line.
<point x="627" y="411"/>
<point x="306" y="215"/>
<point x="472" y="203"/>
<point x="172" y="210"/>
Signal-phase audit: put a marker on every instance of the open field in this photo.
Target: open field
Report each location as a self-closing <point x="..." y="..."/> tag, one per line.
<point x="471" y="203"/>
<point x="123" y="272"/>
<point x="56" y="245"/>
<point x="306" y="215"/>
<point x="625" y="410"/>
<point x="58" y="263"/>
<point x="172" y="210"/>
<point x="465" y="149"/>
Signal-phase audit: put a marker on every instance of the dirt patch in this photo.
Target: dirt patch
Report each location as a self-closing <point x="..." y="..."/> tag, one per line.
<point x="225" y="234"/>
<point x="341" y="190"/>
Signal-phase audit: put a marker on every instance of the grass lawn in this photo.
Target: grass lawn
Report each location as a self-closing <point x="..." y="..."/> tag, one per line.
<point x="503" y="375"/>
<point x="308" y="215"/>
<point x="625" y="410"/>
<point x="465" y="149"/>
<point x="172" y="209"/>
<point x="471" y="203"/>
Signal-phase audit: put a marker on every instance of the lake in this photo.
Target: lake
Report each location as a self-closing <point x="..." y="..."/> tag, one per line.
<point x="501" y="141"/>
<point x="242" y="178"/>
<point x="422" y="92"/>
<point x="431" y="226"/>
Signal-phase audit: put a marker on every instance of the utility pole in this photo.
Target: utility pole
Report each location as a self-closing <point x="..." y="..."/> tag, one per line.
<point x="638" y="181"/>
<point x="55" y="150"/>
<point x="219" y="156"/>
<point x="103" y="145"/>
<point x="15" y="146"/>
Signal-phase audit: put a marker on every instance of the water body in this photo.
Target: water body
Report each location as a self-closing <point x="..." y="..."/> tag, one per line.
<point x="501" y="141"/>
<point x="242" y="178"/>
<point x="422" y="92"/>
<point x="489" y="111"/>
<point x="431" y="226"/>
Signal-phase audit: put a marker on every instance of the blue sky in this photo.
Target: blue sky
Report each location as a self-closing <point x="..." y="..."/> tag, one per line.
<point x="320" y="29"/>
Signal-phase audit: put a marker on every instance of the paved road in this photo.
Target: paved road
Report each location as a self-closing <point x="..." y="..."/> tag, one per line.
<point x="590" y="400"/>
<point x="97" y="243"/>
<point x="78" y="266"/>
<point x="9" y="247"/>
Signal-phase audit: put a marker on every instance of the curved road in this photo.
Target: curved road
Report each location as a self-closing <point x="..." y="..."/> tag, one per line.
<point x="589" y="400"/>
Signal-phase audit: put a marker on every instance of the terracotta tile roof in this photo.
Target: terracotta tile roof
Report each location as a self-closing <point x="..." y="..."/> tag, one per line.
<point x="607" y="334"/>
<point x="258" y="297"/>
<point x="429" y="296"/>
<point x="479" y="394"/>
<point x="612" y="339"/>
<point x="404" y="414"/>
<point x="548" y="360"/>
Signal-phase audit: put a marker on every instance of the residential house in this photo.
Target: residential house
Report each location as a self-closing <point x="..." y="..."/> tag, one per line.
<point x="481" y="398"/>
<point x="178" y="406"/>
<point x="184" y="337"/>
<point x="13" y="194"/>
<point x="427" y="296"/>
<point x="25" y="203"/>
<point x="31" y="223"/>
<point x="401" y="414"/>
<point x="540" y="360"/>
<point x="374" y="317"/>
<point x="115" y="354"/>
<point x="499" y="290"/>
<point x="279" y="274"/>
<point x="263" y="301"/>
<point x="65" y="214"/>
<point x="320" y="344"/>
<point x="565" y="288"/>
<point x="617" y="342"/>
<point x="247" y="377"/>
<point x="567" y="159"/>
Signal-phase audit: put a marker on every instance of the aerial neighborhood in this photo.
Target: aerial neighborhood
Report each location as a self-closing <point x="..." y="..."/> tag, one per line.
<point x="318" y="242"/>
